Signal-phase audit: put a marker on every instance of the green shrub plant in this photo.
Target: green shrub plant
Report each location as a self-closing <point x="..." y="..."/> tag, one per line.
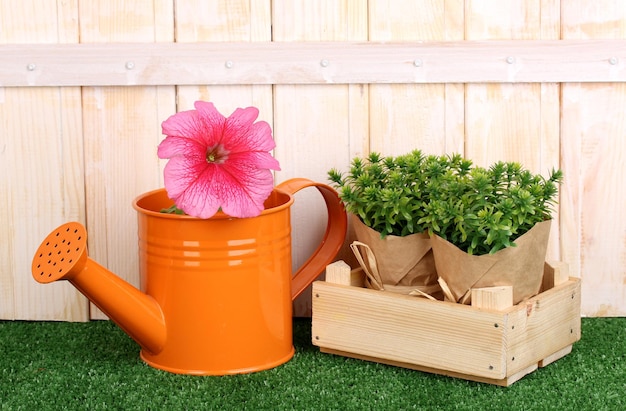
<point x="480" y="210"/>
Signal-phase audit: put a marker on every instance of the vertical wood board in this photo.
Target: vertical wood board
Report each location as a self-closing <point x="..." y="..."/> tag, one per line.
<point x="405" y="117"/>
<point x="41" y="167"/>
<point x="122" y="131"/>
<point x="593" y="152"/>
<point x="316" y="127"/>
<point x="513" y="122"/>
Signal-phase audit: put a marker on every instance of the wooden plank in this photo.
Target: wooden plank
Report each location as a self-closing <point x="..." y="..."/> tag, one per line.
<point x="596" y="115"/>
<point x="514" y="122"/>
<point x="513" y="110"/>
<point x="454" y="103"/>
<point x="594" y="158"/>
<point x="41" y="167"/>
<point x="404" y="117"/>
<point x="405" y="328"/>
<point x="556" y="356"/>
<point x="549" y="323"/>
<point x="493" y="298"/>
<point x="316" y="128"/>
<point x="122" y="130"/>
<point x="549" y="124"/>
<point x="340" y="273"/>
<point x="219" y="63"/>
<point x="555" y="273"/>
<point x="220" y="22"/>
<point x="505" y="382"/>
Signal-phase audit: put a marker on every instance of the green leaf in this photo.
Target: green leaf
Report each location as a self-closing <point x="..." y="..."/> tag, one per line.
<point x="172" y="210"/>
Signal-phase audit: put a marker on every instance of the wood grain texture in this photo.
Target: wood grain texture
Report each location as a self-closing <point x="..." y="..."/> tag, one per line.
<point x="212" y="22"/>
<point x="497" y="346"/>
<point x="514" y="122"/>
<point x="121" y="133"/>
<point x="341" y="62"/>
<point x="41" y="166"/>
<point x="593" y="153"/>
<point x="82" y="124"/>
<point x="405" y="117"/>
<point x="316" y="128"/>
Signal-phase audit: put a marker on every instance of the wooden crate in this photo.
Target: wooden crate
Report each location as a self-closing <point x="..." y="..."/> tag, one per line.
<point x="496" y="346"/>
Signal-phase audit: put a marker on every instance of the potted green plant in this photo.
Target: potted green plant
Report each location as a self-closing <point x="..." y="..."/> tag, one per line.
<point x="490" y="226"/>
<point x="384" y="197"/>
<point x="478" y="226"/>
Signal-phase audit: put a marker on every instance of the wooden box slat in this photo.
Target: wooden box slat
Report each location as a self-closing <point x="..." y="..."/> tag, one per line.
<point x="496" y="347"/>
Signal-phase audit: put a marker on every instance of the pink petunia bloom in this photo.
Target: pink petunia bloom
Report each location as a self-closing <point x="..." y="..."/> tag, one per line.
<point x="217" y="161"/>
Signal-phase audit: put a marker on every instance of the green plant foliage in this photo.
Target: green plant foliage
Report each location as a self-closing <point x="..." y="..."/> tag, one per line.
<point x="172" y="210"/>
<point x="484" y="210"/>
<point x="480" y="210"/>
<point x="385" y="192"/>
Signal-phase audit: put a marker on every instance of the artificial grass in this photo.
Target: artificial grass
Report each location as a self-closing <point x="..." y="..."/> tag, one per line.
<point x="95" y="366"/>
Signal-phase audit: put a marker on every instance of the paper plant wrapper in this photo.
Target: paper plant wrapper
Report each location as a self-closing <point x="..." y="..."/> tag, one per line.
<point x="397" y="264"/>
<point x="520" y="267"/>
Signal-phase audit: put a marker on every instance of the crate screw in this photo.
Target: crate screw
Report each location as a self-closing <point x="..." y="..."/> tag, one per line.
<point x="229" y="64"/>
<point x="324" y="63"/>
<point x="31" y="67"/>
<point x="491" y="367"/>
<point x="317" y="337"/>
<point x="317" y="295"/>
<point x="496" y="325"/>
<point x="510" y="59"/>
<point x="130" y="65"/>
<point x="417" y="63"/>
<point x="613" y="61"/>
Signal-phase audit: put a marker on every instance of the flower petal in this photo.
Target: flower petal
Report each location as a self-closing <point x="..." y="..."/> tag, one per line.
<point x="198" y="200"/>
<point x="242" y="135"/>
<point x="246" y="191"/>
<point x="203" y="125"/>
<point x="179" y="173"/>
<point x="256" y="159"/>
<point x="180" y="146"/>
<point x="260" y="137"/>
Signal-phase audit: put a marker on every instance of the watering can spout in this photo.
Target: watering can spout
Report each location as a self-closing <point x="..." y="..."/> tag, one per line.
<point x="63" y="256"/>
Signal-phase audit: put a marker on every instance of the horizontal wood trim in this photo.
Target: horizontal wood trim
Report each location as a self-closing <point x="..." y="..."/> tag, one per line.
<point x="142" y="64"/>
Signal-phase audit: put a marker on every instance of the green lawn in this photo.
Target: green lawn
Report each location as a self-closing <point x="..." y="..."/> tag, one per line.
<point x="95" y="366"/>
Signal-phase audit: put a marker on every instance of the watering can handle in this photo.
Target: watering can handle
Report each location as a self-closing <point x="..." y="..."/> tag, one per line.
<point x="333" y="237"/>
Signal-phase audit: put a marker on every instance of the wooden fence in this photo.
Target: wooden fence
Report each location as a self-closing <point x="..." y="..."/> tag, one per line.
<point x="85" y="84"/>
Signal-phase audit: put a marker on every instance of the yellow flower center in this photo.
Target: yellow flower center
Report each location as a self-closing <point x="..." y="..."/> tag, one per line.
<point x="216" y="154"/>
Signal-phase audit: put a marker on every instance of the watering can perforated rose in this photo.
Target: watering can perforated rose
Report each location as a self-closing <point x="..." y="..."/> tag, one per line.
<point x="216" y="282"/>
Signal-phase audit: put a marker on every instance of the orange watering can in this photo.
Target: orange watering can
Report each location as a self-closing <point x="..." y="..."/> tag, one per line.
<point x="216" y="293"/>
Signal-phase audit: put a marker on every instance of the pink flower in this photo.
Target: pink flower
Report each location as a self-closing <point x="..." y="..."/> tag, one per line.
<point x="217" y="161"/>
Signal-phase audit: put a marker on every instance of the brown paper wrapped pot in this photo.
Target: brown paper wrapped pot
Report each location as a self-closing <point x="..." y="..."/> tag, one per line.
<point x="520" y="266"/>
<point x="401" y="261"/>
